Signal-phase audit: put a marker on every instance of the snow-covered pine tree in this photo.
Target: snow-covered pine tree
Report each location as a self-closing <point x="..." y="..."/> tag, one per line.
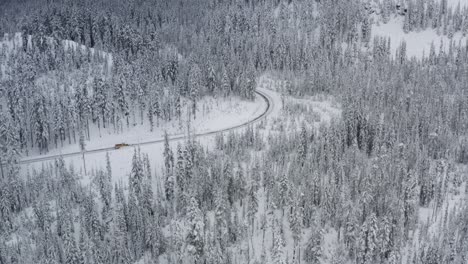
<point x="252" y="205"/>
<point x="136" y="175"/>
<point x="168" y="154"/>
<point x="195" y="85"/>
<point x="314" y="251"/>
<point x="195" y="240"/>
<point x="303" y="145"/>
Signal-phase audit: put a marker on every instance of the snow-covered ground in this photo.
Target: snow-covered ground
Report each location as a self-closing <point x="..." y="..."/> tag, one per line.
<point x="450" y="3"/>
<point x="418" y="43"/>
<point x="454" y="3"/>
<point x="315" y="110"/>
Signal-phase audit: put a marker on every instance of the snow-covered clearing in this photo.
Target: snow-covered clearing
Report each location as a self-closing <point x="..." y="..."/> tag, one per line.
<point x="417" y="43"/>
<point x="450" y="3"/>
<point x="455" y="3"/>
<point x="315" y="110"/>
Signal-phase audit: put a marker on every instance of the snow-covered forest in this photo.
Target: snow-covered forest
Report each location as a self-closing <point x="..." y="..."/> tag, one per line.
<point x="234" y="131"/>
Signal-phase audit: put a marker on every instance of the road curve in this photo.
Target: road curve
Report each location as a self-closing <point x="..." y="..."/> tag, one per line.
<point x="263" y="95"/>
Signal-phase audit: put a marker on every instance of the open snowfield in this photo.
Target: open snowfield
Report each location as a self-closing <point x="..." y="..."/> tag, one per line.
<point x="417" y="43"/>
<point x="316" y="110"/>
<point x="451" y="3"/>
<point x="455" y="3"/>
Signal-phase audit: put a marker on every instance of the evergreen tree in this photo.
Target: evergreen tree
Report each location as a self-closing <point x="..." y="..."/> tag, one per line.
<point x="195" y="239"/>
<point x="313" y="251"/>
<point x="303" y="145"/>
<point x="194" y="86"/>
<point x="137" y="175"/>
<point x="252" y="206"/>
<point x="168" y="155"/>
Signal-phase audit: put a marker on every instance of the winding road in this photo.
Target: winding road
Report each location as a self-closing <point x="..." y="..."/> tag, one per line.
<point x="265" y="96"/>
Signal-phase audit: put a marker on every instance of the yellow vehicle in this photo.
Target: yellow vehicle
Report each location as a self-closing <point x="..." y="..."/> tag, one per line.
<point x="121" y="145"/>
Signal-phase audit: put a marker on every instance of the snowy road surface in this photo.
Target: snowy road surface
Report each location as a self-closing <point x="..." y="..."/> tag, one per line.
<point x="263" y="94"/>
